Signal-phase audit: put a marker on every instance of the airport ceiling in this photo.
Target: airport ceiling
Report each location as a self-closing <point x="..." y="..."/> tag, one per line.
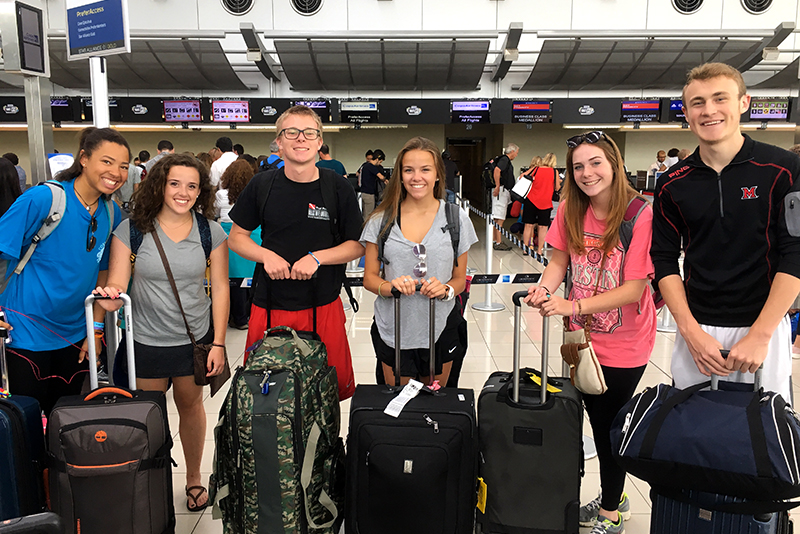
<point x="603" y="60"/>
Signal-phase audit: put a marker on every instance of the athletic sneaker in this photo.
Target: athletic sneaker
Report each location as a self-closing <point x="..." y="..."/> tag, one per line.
<point x="502" y="246"/>
<point x="606" y="526"/>
<point x="588" y="512"/>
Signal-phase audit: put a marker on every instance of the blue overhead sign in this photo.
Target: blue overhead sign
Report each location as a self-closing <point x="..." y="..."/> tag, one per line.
<point x="97" y="28"/>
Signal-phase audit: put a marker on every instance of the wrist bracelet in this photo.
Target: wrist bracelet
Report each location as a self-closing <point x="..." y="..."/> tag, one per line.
<point x="379" y="289"/>
<point x="573" y="308"/>
<point x="98" y="334"/>
<point x="99" y="326"/>
<point x="218" y="345"/>
<point x="580" y="308"/>
<point x="315" y="258"/>
<point x="547" y="290"/>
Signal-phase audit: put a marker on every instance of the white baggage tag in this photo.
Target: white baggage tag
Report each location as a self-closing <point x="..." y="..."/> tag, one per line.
<point x="397" y="404"/>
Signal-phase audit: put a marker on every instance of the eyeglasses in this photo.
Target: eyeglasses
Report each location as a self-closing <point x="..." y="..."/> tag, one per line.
<point x="90" y="239"/>
<point x="591" y="137"/>
<point x="421" y="268"/>
<point x="293" y="133"/>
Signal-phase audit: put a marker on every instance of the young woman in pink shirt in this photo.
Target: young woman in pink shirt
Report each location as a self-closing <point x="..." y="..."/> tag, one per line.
<point x="610" y="284"/>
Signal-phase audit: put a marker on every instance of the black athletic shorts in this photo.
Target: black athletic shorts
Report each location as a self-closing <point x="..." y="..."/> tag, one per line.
<point x="533" y="215"/>
<point x="416" y="362"/>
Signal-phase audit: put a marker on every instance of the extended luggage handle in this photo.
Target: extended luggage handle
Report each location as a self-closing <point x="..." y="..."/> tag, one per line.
<point x="517" y="299"/>
<point x="756" y="378"/>
<point x="128" y="317"/>
<point x="3" y="362"/>
<point x="431" y="343"/>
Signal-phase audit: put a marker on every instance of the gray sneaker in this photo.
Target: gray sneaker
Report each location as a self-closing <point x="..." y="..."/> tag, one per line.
<point x="502" y="246"/>
<point x="606" y="526"/>
<point x="588" y="512"/>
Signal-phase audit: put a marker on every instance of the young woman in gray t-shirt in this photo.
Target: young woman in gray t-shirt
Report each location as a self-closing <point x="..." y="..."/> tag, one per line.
<point x="170" y="202"/>
<point x="417" y="252"/>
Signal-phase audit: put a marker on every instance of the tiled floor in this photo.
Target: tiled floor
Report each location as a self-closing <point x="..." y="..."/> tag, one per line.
<point x="490" y="349"/>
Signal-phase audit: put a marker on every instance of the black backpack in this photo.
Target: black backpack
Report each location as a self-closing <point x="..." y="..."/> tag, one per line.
<point x="487" y="175"/>
<point x="270" y="166"/>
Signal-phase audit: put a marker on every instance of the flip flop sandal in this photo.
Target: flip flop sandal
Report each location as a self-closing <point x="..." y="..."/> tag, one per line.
<point x="194" y="497"/>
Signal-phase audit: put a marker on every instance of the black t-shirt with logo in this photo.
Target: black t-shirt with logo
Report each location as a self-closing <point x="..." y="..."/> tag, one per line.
<point x="294" y="222"/>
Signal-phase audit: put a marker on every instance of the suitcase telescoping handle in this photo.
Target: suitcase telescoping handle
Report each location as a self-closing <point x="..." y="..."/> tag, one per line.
<point x="127" y="315"/>
<point x="756" y="378"/>
<point x="3" y="361"/>
<point x="431" y="338"/>
<point x="517" y="298"/>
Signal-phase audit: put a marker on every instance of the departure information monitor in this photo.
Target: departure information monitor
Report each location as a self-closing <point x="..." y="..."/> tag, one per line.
<point x="469" y="111"/>
<point x="230" y="111"/>
<point x="676" y="110"/>
<point x="358" y="111"/>
<point x="641" y="110"/>
<point x="321" y="107"/>
<point x="182" y="111"/>
<point x="532" y="111"/>
<point x="766" y="109"/>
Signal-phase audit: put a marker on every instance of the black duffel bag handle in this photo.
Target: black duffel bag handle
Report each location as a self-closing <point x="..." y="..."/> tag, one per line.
<point x="754" y="423"/>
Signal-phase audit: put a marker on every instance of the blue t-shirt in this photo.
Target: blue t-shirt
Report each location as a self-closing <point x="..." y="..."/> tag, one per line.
<point x="60" y="273"/>
<point x="332" y="164"/>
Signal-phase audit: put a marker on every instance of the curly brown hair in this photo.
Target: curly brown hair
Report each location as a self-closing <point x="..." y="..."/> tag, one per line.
<point x="149" y="197"/>
<point x="235" y="178"/>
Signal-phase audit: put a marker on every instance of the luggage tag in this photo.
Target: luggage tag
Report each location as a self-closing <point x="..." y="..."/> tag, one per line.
<point x="482" y="489"/>
<point x="397" y="404"/>
<point x="536" y="379"/>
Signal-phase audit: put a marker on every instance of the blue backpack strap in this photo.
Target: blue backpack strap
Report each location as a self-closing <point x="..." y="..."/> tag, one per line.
<point x="205" y="235"/>
<point x="136" y="237"/>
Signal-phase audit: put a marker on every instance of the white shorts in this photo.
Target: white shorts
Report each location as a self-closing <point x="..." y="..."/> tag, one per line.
<point x="500" y="203"/>
<point x="777" y="369"/>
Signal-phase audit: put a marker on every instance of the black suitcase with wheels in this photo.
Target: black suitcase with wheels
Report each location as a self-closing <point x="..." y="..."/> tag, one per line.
<point x="416" y="472"/>
<point x="22" y="452"/>
<point x="531" y="453"/>
<point x="44" y="523"/>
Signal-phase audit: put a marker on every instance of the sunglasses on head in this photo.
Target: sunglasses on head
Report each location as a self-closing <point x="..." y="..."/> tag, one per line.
<point x="590" y="137"/>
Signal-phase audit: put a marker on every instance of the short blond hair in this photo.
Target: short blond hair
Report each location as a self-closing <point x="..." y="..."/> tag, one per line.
<point x="707" y="71"/>
<point x="299" y="110"/>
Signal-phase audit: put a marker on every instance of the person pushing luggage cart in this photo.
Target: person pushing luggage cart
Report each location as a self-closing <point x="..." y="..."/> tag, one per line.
<point x="609" y="298"/>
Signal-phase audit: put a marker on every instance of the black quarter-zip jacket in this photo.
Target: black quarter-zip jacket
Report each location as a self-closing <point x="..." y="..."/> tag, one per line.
<point x="734" y="230"/>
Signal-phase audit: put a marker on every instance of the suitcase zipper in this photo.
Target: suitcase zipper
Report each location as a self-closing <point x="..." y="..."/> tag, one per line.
<point x="628" y="437"/>
<point x="431" y="422"/>
<point x="792" y="476"/>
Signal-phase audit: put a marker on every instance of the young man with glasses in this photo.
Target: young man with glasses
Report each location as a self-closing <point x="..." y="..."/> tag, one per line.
<point x="732" y="207"/>
<point x="305" y="241"/>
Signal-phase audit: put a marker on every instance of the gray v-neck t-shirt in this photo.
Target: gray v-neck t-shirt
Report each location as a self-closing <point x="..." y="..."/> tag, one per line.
<point x="157" y="319"/>
<point x="414" y="309"/>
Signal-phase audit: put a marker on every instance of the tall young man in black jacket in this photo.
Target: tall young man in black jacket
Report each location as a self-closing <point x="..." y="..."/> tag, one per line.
<point x="734" y="207"/>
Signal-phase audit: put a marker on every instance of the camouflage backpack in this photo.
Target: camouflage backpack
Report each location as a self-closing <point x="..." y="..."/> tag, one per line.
<point x="279" y="460"/>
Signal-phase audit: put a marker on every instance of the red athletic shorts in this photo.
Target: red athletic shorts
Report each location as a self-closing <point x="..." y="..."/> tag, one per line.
<point x="330" y="327"/>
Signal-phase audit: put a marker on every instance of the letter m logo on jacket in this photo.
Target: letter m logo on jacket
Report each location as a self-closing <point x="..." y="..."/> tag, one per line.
<point x="749" y="192"/>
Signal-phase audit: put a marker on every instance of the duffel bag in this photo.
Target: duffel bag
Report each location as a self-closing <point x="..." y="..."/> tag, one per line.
<point x="739" y="443"/>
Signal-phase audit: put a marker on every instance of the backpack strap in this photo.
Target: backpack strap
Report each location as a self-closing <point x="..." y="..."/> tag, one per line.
<point x="451" y="211"/>
<point x="58" y="206"/>
<point x="635" y="208"/>
<point x="383" y="236"/>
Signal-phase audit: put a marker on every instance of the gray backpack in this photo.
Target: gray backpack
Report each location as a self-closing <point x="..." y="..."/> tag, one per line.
<point x="58" y="206"/>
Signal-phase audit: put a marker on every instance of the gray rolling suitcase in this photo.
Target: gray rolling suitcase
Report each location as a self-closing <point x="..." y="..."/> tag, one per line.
<point x="109" y="459"/>
<point x="531" y="449"/>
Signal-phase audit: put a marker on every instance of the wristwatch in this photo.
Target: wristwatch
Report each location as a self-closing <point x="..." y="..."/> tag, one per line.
<point x="450" y="294"/>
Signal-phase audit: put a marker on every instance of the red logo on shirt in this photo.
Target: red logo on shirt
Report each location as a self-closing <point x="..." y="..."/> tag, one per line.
<point x="749" y="192"/>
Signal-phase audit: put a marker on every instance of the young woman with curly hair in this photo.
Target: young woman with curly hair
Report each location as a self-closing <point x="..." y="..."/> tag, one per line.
<point x="170" y="204"/>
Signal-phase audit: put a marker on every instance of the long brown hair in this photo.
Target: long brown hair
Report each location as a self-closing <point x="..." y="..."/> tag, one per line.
<point x="396" y="192"/>
<point x="235" y="178"/>
<point x="149" y="197"/>
<point x="576" y="202"/>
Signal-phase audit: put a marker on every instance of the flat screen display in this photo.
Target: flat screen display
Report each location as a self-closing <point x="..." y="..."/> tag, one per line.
<point x="29" y="23"/>
<point x="532" y="111"/>
<point x="321" y="107"/>
<point x="676" y="110"/>
<point x="230" y="111"/>
<point x="769" y="109"/>
<point x="62" y="110"/>
<point x="113" y="110"/>
<point x="358" y="111"/>
<point x="182" y="111"/>
<point x="641" y="110"/>
<point x="469" y="111"/>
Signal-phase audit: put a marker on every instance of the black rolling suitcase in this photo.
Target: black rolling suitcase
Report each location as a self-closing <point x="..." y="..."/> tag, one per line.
<point x="109" y="454"/>
<point x="22" y="456"/>
<point x="531" y="449"/>
<point x="44" y="523"/>
<point x="416" y="472"/>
